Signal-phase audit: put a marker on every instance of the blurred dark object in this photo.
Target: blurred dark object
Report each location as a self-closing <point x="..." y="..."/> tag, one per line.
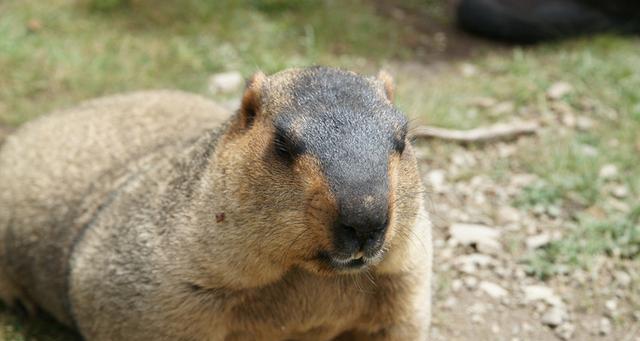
<point x="531" y="21"/>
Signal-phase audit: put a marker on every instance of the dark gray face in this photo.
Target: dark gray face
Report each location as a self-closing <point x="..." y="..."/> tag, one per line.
<point x="343" y="121"/>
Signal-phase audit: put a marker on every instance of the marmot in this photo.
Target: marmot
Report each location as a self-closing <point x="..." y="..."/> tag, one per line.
<point x="158" y="216"/>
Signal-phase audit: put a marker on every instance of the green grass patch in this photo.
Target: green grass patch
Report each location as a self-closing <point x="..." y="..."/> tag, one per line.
<point x="616" y="237"/>
<point x="55" y="53"/>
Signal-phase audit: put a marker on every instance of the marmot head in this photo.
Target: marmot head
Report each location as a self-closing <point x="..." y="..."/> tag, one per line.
<point x="327" y="179"/>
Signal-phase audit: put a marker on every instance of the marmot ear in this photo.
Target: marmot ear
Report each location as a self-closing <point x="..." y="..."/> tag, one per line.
<point x="387" y="82"/>
<point x="252" y="99"/>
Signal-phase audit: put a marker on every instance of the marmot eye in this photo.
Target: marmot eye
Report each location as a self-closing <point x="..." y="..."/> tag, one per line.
<point x="283" y="147"/>
<point x="399" y="144"/>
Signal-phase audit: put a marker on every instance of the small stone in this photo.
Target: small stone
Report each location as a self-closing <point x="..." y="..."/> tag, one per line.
<point x="565" y="331"/>
<point x="456" y="285"/>
<point x="533" y="293"/>
<point x="622" y="278"/>
<point x="554" y="316"/>
<point x="538" y="241"/>
<point x="508" y="214"/>
<point x="588" y="150"/>
<point x="493" y="290"/>
<point x="620" y="191"/>
<point x="468" y="69"/>
<point x="471" y="282"/>
<point x="584" y="123"/>
<point x="569" y="120"/>
<point x="437" y="179"/>
<point x="554" y="211"/>
<point x="484" y="237"/>
<point x="515" y="329"/>
<point x="450" y="302"/>
<point x="523" y="180"/>
<point x="558" y="90"/>
<point x="489" y="247"/>
<point x="471" y="263"/>
<point x="604" y="326"/>
<point x="477" y="308"/>
<point x="608" y="171"/>
<point x="475" y="318"/>
<point x="495" y="328"/>
<point x="503" y="108"/>
<point x="225" y="82"/>
<point x="611" y="305"/>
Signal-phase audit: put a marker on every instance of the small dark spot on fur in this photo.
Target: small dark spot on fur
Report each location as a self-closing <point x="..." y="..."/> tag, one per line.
<point x="195" y="288"/>
<point x="219" y="217"/>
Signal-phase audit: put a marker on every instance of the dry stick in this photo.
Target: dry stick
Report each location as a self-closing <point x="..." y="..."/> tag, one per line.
<point x="499" y="131"/>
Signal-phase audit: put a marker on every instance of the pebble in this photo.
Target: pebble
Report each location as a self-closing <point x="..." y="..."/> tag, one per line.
<point x="608" y="171"/>
<point x="554" y="316"/>
<point x="456" y="285"/>
<point x="471" y="282"/>
<point x="604" y="326"/>
<point x="565" y="331"/>
<point x="471" y="263"/>
<point x="522" y="180"/>
<point x="485" y="238"/>
<point x="477" y="308"/>
<point x="622" y="278"/>
<point x="568" y="118"/>
<point x="475" y="318"/>
<point x="584" y="123"/>
<point x="450" y="302"/>
<point x="225" y="82"/>
<point x="533" y="293"/>
<point x="588" y="150"/>
<point x="493" y="290"/>
<point x="503" y="108"/>
<point x="495" y="328"/>
<point x="437" y="179"/>
<point x="559" y="89"/>
<point x="468" y="69"/>
<point x="620" y="191"/>
<point x="538" y="241"/>
<point x="507" y="215"/>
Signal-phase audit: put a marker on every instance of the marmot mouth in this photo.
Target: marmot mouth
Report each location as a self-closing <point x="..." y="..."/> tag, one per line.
<point x="339" y="263"/>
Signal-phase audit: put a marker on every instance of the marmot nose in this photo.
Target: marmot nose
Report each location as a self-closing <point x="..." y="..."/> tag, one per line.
<point x="365" y="234"/>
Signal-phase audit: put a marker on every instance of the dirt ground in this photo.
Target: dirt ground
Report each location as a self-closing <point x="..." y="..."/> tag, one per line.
<point x="482" y="290"/>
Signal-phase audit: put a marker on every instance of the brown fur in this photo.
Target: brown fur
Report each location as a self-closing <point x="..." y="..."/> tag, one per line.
<point x="146" y="217"/>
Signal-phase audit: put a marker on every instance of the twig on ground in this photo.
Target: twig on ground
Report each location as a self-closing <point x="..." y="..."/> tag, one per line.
<point x="499" y="131"/>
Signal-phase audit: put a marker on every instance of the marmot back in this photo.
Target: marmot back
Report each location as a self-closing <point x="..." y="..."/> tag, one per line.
<point x="55" y="171"/>
<point x="159" y="216"/>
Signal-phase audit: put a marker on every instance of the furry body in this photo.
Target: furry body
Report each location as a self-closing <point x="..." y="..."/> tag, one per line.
<point x="160" y="216"/>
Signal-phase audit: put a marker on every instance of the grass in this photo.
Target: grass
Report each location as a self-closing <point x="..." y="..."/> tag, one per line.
<point x="617" y="237"/>
<point x="55" y="53"/>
